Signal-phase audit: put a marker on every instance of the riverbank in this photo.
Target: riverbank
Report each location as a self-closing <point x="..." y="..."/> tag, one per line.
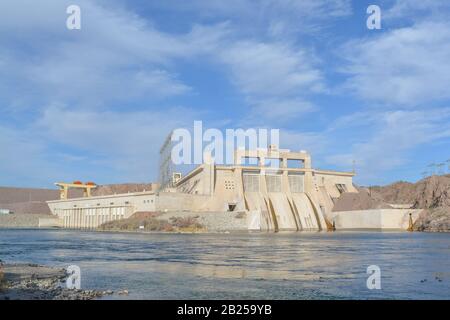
<point x="36" y="282"/>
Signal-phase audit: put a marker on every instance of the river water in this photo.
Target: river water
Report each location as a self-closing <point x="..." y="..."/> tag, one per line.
<point x="243" y="266"/>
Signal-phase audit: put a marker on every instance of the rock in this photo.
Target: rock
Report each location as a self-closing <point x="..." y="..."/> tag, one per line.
<point x="38" y="283"/>
<point x="123" y="292"/>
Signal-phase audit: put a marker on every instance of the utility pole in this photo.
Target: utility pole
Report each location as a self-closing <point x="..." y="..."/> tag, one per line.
<point x="432" y="166"/>
<point x="439" y="168"/>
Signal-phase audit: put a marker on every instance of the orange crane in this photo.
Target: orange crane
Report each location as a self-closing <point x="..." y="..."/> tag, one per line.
<point x="64" y="188"/>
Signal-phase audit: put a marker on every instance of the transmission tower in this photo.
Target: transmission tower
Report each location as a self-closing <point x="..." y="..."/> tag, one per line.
<point x="166" y="166"/>
<point x="432" y="167"/>
<point x="440" y="167"/>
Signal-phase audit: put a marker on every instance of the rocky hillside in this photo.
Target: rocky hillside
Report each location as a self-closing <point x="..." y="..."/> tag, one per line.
<point x="362" y="200"/>
<point x="434" y="220"/>
<point x="431" y="194"/>
<point x="400" y="192"/>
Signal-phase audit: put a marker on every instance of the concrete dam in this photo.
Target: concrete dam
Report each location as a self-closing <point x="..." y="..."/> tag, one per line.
<point x="291" y="196"/>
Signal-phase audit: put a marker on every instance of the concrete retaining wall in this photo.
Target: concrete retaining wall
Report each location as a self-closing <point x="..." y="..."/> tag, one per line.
<point x="21" y="220"/>
<point x="394" y="219"/>
<point x="174" y="201"/>
<point x="50" y="223"/>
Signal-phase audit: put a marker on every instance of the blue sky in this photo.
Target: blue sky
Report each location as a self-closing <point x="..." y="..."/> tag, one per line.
<point x="95" y="104"/>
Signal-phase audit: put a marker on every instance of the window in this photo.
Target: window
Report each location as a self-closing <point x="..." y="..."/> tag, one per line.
<point x="296" y="183"/>
<point x="273" y="183"/>
<point x="341" y="188"/>
<point x="251" y="182"/>
<point x="229" y="184"/>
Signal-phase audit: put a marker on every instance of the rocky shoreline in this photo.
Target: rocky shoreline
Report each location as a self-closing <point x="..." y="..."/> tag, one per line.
<point x="36" y="282"/>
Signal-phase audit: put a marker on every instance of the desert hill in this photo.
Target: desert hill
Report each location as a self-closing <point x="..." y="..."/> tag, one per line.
<point x="33" y="201"/>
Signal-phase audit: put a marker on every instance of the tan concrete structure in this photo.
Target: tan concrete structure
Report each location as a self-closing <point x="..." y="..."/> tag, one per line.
<point x="94" y="211"/>
<point x="50" y="223"/>
<point x="278" y="189"/>
<point x="383" y="219"/>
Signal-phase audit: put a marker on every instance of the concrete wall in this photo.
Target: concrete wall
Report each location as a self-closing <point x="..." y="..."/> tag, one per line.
<point x="51" y="223"/>
<point x="395" y="219"/>
<point x="193" y="184"/>
<point x="330" y="180"/>
<point x="94" y="211"/>
<point x="21" y="220"/>
<point x="175" y="201"/>
<point x="140" y="201"/>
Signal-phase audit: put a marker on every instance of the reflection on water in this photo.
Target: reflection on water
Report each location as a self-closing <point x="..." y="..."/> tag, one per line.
<point x="243" y="266"/>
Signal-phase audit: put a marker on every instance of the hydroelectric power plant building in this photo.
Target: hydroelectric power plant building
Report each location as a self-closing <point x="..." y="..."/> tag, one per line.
<point x="278" y="191"/>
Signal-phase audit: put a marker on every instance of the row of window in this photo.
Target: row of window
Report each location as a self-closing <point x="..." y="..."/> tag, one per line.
<point x="272" y="162"/>
<point x="273" y="183"/>
<point x="77" y="221"/>
<point x="112" y="203"/>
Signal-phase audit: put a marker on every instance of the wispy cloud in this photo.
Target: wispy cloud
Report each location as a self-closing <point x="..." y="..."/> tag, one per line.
<point x="393" y="136"/>
<point x="273" y="18"/>
<point x="407" y="66"/>
<point x="116" y="56"/>
<point x="276" y="78"/>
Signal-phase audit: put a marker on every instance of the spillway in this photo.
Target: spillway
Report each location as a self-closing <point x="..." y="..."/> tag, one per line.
<point x="305" y="212"/>
<point x="276" y="212"/>
<point x="257" y="203"/>
<point x="282" y="212"/>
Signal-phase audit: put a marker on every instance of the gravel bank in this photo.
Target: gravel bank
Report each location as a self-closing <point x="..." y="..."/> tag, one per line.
<point x="213" y="221"/>
<point x="180" y="221"/>
<point x="34" y="282"/>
